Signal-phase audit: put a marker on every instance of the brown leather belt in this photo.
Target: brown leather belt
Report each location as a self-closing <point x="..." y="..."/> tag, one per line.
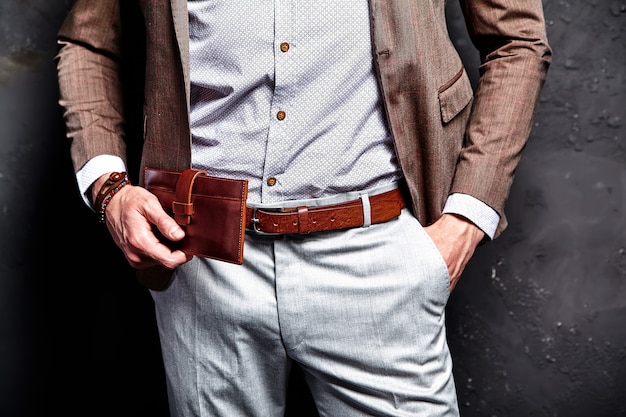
<point x="302" y="220"/>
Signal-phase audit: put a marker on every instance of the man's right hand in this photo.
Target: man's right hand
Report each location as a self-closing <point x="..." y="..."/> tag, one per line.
<point x="131" y="215"/>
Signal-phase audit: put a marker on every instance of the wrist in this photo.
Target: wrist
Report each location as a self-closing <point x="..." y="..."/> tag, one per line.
<point x="107" y="188"/>
<point x="95" y="188"/>
<point x="463" y="226"/>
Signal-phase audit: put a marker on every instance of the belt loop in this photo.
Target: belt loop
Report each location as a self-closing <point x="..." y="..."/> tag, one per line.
<point x="367" y="210"/>
<point x="303" y="220"/>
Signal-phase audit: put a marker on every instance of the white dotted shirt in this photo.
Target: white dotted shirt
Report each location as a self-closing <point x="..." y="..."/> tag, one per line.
<point x="284" y="94"/>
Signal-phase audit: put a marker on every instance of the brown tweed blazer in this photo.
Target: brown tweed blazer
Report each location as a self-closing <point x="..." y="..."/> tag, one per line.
<point x="448" y="138"/>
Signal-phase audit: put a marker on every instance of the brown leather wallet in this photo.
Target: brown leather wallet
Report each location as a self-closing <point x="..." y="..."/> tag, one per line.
<point x="211" y="210"/>
<point x="302" y="220"/>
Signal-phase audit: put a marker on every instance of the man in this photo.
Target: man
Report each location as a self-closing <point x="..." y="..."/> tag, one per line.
<point x="316" y="104"/>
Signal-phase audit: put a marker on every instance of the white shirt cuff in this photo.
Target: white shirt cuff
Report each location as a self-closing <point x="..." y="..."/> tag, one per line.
<point x="474" y="210"/>
<point x="94" y="169"/>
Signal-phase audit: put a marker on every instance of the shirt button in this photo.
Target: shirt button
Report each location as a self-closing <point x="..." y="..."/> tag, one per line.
<point x="281" y="115"/>
<point x="284" y="47"/>
<point x="271" y="181"/>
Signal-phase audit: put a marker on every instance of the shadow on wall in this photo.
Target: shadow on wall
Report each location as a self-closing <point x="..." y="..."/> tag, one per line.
<point x="535" y="326"/>
<point x="77" y="334"/>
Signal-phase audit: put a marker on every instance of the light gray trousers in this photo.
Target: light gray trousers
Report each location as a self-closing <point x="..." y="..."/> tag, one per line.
<point x="361" y="310"/>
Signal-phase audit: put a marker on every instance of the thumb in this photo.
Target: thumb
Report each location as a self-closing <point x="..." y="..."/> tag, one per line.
<point x="165" y="224"/>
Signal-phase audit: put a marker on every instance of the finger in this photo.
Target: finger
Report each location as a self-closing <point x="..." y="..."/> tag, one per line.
<point x="150" y="251"/>
<point x="168" y="258"/>
<point x="165" y="225"/>
<point x="159" y="249"/>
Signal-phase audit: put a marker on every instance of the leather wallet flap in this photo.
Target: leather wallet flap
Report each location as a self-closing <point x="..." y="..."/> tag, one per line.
<point x="182" y="206"/>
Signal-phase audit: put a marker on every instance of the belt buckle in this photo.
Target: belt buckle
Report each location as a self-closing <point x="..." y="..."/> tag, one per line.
<point x="255" y="223"/>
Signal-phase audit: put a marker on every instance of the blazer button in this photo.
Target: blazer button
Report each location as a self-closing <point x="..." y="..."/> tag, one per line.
<point x="271" y="181"/>
<point x="284" y="47"/>
<point x="281" y="115"/>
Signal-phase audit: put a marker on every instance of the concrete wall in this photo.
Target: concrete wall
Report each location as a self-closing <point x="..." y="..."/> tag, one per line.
<point x="536" y="326"/>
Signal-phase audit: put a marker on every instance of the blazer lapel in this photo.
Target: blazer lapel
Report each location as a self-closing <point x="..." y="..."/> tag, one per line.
<point x="180" y="16"/>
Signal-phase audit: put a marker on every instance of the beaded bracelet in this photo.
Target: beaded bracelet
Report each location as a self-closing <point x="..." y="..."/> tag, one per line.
<point x="115" y="182"/>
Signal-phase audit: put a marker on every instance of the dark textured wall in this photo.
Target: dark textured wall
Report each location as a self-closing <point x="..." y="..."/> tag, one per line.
<point x="536" y="326"/>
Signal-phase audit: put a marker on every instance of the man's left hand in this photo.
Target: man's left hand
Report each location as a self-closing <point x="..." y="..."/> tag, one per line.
<point x="457" y="239"/>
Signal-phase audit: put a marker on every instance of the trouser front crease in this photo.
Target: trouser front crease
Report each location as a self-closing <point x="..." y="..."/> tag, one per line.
<point x="361" y="310"/>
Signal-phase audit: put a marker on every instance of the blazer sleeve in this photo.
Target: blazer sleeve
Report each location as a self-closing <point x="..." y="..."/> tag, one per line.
<point x="511" y="38"/>
<point x="90" y="87"/>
